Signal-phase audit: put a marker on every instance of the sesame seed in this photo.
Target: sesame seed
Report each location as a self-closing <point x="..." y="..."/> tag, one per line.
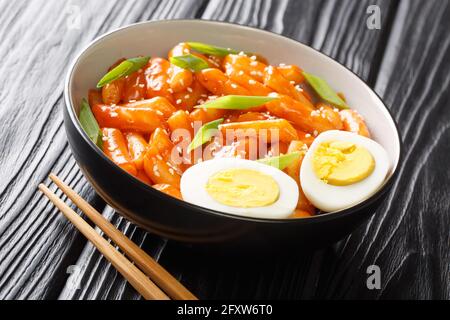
<point x="241" y="73"/>
<point x="316" y="133"/>
<point x="292" y="82"/>
<point x="282" y="65"/>
<point x="170" y="90"/>
<point x="307" y="135"/>
<point x="251" y="81"/>
<point x="189" y="89"/>
<point x="254" y="63"/>
<point x="179" y="101"/>
<point x="159" y="112"/>
<point x="156" y="171"/>
<point x="242" y="53"/>
<point x="187" y="96"/>
<point x="234" y="86"/>
<point x="253" y="58"/>
<point x="159" y="157"/>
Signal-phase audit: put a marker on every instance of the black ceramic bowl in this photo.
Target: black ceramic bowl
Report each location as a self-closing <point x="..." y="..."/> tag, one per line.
<point x="179" y="220"/>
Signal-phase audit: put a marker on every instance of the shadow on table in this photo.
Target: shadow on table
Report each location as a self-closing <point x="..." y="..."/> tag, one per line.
<point x="271" y="274"/>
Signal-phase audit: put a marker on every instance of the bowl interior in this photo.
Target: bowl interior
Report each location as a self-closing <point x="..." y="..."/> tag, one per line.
<point x="157" y="38"/>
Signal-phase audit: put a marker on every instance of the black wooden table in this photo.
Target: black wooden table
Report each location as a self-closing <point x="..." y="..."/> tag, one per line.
<point x="406" y="60"/>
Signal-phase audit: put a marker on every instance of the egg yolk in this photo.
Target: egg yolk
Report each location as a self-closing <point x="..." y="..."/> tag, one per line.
<point x="342" y="163"/>
<point x="243" y="188"/>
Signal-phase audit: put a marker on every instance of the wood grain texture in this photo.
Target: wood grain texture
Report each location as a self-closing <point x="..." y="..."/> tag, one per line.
<point x="415" y="223"/>
<point x="408" y="237"/>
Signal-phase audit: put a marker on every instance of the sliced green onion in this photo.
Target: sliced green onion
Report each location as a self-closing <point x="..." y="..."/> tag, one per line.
<point x="211" y="50"/>
<point x="124" y="69"/>
<point x="324" y="90"/>
<point x="205" y="134"/>
<point x="232" y="102"/>
<point x="281" y="162"/>
<point x="190" y="62"/>
<point x="89" y="124"/>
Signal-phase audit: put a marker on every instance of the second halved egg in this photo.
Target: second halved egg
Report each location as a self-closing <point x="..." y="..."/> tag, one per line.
<point x="342" y="169"/>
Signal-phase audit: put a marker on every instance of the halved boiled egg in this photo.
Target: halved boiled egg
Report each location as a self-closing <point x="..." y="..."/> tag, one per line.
<point x="342" y="169"/>
<point x="240" y="187"/>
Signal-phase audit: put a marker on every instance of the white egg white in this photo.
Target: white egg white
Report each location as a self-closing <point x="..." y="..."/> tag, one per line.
<point x="194" y="180"/>
<point x="331" y="198"/>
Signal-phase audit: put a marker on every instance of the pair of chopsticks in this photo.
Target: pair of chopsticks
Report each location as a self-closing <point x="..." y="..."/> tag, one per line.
<point x="153" y="282"/>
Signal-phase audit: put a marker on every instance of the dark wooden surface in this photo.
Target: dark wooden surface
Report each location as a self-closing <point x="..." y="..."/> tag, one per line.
<point x="407" y="61"/>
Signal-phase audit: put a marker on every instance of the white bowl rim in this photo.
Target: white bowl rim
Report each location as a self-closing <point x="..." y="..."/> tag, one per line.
<point x="323" y="216"/>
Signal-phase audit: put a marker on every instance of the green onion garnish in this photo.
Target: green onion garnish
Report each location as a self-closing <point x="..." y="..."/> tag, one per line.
<point x="232" y="102"/>
<point x="281" y="162"/>
<point x="190" y="62"/>
<point x="89" y="124"/>
<point x="211" y="50"/>
<point x="324" y="90"/>
<point x="205" y="134"/>
<point x="124" y="69"/>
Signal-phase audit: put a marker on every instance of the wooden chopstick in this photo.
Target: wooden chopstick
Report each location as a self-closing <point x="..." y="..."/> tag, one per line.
<point x="148" y="265"/>
<point x="134" y="276"/>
